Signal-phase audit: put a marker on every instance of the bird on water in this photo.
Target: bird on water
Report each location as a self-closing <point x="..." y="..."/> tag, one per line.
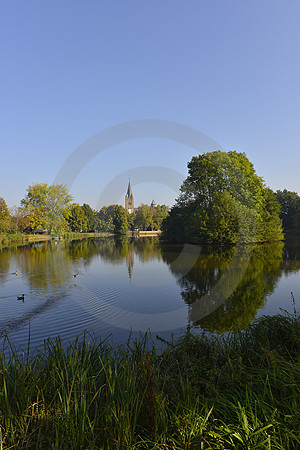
<point x="20" y="297"/>
<point x="14" y="273"/>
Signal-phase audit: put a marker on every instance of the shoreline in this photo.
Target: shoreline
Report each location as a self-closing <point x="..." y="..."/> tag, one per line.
<point x="15" y="240"/>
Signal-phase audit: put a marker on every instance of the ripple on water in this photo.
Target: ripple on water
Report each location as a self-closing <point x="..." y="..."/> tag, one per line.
<point x="97" y="296"/>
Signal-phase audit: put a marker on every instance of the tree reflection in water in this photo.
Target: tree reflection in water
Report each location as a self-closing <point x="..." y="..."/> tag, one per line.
<point x="43" y="265"/>
<point x="221" y="313"/>
<point x="222" y="287"/>
<point x="248" y="281"/>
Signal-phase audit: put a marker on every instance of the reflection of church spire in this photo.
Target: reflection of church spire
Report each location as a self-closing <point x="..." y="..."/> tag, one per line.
<point x="130" y="262"/>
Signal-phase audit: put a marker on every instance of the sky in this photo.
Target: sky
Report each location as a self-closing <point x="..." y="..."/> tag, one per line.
<point x="93" y="92"/>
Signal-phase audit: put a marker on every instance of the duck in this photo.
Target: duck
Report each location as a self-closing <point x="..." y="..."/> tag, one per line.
<point x="15" y="273"/>
<point x="75" y="275"/>
<point x="20" y="297"/>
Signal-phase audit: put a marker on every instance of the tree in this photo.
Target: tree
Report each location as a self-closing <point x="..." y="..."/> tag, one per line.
<point x="269" y="227"/>
<point x="159" y="214"/>
<point x="76" y="217"/>
<point x="19" y="219"/>
<point x="4" y="217"/>
<point x="218" y="222"/>
<point x="104" y="219"/>
<point x="45" y="204"/>
<point x="144" y="217"/>
<point x="297" y="221"/>
<point x="120" y="220"/>
<point x="290" y="210"/>
<point x="90" y="216"/>
<point x="223" y="201"/>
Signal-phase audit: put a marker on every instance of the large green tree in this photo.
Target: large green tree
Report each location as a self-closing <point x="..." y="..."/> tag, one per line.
<point x="90" y="217"/>
<point x="290" y="210"/>
<point x="45" y="204"/>
<point x="223" y="201"/>
<point x="76" y="218"/>
<point x="148" y="217"/>
<point x="160" y="213"/>
<point x="104" y="219"/>
<point x="120" y="220"/>
<point x="5" y="219"/>
<point x="144" y="217"/>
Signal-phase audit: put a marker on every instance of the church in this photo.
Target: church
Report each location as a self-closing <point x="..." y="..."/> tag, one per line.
<point x="129" y="201"/>
<point x="129" y="205"/>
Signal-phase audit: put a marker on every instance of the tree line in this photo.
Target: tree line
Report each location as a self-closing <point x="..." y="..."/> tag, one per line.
<point x="222" y="201"/>
<point x="50" y="208"/>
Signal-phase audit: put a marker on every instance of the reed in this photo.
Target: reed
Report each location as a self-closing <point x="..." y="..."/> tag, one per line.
<point x="199" y="393"/>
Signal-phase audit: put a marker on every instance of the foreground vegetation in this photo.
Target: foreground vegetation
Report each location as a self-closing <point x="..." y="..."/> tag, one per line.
<point x="200" y="392"/>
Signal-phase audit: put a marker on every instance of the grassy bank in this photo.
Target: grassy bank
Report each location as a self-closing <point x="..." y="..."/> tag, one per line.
<point x="200" y="393"/>
<point x="13" y="240"/>
<point x="8" y="240"/>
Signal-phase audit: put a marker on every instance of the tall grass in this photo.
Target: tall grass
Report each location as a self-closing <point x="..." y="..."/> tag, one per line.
<point x="199" y="393"/>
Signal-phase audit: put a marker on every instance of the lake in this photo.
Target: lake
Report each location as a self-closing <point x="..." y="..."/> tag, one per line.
<point x="126" y="286"/>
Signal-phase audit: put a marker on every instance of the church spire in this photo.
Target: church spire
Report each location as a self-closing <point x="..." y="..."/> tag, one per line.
<point x="129" y="205"/>
<point x="129" y="191"/>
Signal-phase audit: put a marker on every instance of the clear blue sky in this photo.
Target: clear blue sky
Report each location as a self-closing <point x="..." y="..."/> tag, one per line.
<point x="70" y="69"/>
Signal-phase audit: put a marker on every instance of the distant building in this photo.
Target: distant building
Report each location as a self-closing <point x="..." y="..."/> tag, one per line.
<point x="129" y="205"/>
<point x="153" y="204"/>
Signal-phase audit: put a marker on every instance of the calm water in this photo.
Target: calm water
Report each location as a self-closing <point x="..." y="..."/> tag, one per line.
<point x="138" y="285"/>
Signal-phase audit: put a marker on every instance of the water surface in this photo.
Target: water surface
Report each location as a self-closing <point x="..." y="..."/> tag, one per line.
<point x="135" y="285"/>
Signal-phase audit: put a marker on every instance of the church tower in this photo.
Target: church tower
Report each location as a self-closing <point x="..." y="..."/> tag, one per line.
<point x="153" y="204"/>
<point x="129" y="200"/>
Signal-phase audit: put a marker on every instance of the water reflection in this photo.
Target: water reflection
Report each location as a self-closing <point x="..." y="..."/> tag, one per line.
<point x="46" y="266"/>
<point x="116" y="250"/>
<point x="221" y="288"/>
<point x="218" y="311"/>
<point x="46" y="273"/>
<point x="53" y="263"/>
<point x="5" y="265"/>
<point x="291" y="255"/>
